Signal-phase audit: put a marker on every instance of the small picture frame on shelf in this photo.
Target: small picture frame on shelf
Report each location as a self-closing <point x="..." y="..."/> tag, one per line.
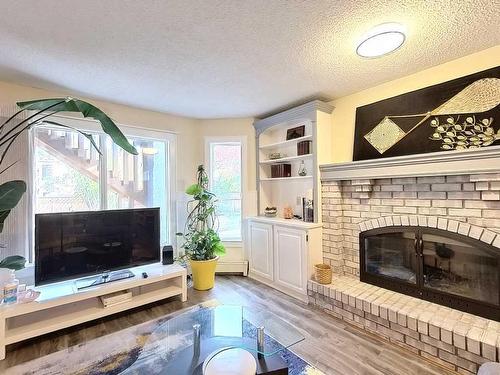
<point x="294" y="133"/>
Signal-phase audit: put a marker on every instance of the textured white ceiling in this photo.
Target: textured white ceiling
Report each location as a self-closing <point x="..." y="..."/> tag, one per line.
<point x="228" y="58"/>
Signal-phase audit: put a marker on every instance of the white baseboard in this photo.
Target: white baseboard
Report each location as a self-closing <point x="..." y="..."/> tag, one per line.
<point x="233" y="267"/>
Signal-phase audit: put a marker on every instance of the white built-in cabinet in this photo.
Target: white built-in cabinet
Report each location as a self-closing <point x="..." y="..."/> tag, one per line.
<point x="290" y="253"/>
<point x="282" y="253"/>
<point x="261" y="257"/>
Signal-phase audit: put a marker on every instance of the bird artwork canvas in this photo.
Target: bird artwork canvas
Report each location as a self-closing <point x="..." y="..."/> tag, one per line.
<point x="454" y="115"/>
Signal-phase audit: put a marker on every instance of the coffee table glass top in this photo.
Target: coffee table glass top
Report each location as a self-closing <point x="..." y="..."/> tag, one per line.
<point x="236" y="325"/>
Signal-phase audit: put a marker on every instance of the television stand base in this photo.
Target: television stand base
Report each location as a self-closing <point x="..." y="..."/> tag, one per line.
<point x="105" y="278"/>
<point x="61" y="305"/>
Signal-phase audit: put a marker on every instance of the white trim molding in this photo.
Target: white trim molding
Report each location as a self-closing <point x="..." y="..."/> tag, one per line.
<point x="482" y="160"/>
<point x="306" y="111"/>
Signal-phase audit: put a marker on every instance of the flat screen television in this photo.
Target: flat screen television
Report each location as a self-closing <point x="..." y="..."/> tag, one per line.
<point x="71" y="245"/>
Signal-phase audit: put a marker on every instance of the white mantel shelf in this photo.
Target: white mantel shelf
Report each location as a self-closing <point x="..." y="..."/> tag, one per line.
<point x="483" y="160"/>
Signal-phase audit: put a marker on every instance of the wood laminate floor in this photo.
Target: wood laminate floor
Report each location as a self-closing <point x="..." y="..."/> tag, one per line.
<point x="330" y="344"/>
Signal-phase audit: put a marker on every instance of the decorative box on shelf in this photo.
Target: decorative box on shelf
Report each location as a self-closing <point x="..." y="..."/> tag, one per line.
<point x="304" y="147"/>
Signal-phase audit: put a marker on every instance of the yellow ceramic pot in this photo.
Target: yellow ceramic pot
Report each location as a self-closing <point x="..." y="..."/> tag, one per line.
<point x="203" y="273"/>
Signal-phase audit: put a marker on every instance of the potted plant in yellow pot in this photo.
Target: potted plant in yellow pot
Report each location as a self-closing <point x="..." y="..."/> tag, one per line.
<point x="202" y="244"/>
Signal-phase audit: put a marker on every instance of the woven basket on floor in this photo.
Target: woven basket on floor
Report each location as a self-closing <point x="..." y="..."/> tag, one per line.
<point x="323" y="273"/>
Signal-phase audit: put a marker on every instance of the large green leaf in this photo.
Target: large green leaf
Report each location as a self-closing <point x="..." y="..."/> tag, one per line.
<point x="87" y="110"/>
<point x="11" y="193"/>
<point x="14" y="262"/>
<point x="3" y="216"/>
<point x="86" y="135"/>
<point x="219" y="249"/>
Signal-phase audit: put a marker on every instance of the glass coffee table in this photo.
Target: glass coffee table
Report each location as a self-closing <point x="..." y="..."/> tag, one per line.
<point x="190" y="338"/>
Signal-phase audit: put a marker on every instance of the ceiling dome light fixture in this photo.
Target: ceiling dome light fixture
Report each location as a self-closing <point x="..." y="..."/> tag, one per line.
<point x="381" y="40"/>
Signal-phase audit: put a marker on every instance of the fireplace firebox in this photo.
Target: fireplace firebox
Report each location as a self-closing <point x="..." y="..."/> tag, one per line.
<point x="435" y="265"/>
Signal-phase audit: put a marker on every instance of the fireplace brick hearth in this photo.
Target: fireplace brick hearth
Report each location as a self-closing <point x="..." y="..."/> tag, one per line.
<point x="467" y="204"/>
<point x="455" y="340"/>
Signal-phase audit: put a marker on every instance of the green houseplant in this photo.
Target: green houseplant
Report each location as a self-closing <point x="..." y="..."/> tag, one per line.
<point x="11" y="192"/>
<point x="202" y="245"/>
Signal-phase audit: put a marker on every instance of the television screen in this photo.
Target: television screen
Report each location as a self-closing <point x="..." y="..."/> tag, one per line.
<point x="74" y="244"/>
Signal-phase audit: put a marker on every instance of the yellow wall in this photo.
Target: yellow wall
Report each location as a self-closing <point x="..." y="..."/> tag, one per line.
<point x="344" y="114"/>
<point x="191" y="135"/>
<point x="189" y="154"/>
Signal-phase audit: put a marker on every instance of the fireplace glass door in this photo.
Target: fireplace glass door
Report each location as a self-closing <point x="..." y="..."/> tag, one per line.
<point x="433" y="264"/>
<point x="460" y="268"/>
<point x="392" y="255"/>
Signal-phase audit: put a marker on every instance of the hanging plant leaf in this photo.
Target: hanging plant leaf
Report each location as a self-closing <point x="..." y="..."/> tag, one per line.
<point x="194" y="189"/>
<point x="14" y="262"/>
<point x="87" y="110"/>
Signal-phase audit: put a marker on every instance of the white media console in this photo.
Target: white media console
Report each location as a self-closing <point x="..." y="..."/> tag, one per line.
<point x="61" y="305"/>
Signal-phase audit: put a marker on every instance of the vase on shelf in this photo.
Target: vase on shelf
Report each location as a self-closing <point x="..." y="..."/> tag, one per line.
<point x="302" y="169"/>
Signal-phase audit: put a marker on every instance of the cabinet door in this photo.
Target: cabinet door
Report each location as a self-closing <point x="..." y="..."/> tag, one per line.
<point x="290" y="258"/>
<point x="261" y="249"/>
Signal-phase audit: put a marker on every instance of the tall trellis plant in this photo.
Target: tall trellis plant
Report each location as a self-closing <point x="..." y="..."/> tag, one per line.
<point x="11" y="192"/>
<point x="201" y="240"/>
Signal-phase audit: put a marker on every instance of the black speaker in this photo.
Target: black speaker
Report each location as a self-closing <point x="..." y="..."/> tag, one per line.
<point x="168" y="255"/>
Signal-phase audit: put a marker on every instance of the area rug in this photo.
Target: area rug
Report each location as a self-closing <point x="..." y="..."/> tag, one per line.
<point x="136" y="350"/>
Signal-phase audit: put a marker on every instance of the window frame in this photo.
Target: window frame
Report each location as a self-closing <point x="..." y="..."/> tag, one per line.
<point x="170" y="139"/>
<point x="242" y="140"/>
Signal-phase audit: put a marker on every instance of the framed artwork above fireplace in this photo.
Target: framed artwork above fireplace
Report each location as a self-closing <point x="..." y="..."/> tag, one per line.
<point x="463" y="113"/>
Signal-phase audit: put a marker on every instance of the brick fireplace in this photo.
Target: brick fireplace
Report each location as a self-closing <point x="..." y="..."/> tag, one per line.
<point x="454" y="197"/>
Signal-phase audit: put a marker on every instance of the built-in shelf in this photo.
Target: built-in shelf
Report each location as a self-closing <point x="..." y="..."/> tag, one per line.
<point x="288" y="158"/>
<point x="286" y="178"/>
<point x="281" y="192"/>
<point x="286" y="143"/>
